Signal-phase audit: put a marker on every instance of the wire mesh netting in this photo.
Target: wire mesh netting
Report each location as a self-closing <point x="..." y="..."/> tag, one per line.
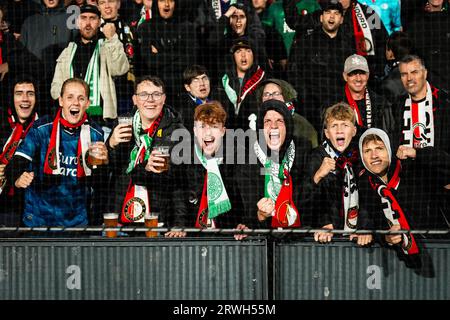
<point x="313" y="118"/>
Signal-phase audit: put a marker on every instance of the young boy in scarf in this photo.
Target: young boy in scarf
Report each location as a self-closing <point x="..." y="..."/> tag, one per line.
<point x="402" y="194"/>
<point x="271" y="187"/>
<point x="53" y="165"/>
<point x="212" y="186"/>
<point x="333" y="179"/>
<point x="140" y="183"/>
<point x="16" y="122"/>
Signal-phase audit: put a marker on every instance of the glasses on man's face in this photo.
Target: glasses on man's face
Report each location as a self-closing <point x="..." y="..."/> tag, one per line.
<point x="199" y="80"/>
<point x="143" y="96"/>
<point x="270" y="95"/>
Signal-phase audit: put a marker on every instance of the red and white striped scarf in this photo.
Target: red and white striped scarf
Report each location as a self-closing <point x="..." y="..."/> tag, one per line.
<point x="52" y="161"/>
<point x="418" y="121"/>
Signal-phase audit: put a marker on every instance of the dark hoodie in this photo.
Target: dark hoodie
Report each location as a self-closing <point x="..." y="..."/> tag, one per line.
<point x="251" y="181"/>
<point x="420" y="192"/>
<point x="220" y="37"/>
<point x="248" y="109"/>
<point x="196" y="173"/>
<point x="420" y="195"/>
<point x="166" y="196"/>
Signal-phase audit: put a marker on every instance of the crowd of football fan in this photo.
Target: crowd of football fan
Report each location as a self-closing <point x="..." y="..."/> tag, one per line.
<point x="325" y="114"/>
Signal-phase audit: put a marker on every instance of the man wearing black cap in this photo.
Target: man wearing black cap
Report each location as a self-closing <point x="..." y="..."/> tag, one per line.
<point x="271" y="188"/>
<point x="315" y="65"/>
<point x="240" y="83"/>
<point x="95" y="60"/>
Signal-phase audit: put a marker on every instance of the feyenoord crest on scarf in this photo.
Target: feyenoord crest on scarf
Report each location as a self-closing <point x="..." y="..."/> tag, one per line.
<point x="350" y="193"/>
<point x="137" y="203"/>
<point x="418" y="121"/>
<point x="278" y="187"/>
<point x="362" y="32"/>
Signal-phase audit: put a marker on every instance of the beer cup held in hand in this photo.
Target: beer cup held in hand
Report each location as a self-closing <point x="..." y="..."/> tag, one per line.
<point x="95" y="156"/>
<point x="127" y="121"/>
<point x="151" y="221"/>
<point x="111" y="220"/>
<point x="164" y="153"/>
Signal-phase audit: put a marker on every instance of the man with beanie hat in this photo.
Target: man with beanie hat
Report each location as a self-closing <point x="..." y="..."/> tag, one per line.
<point x="271" y="188"/>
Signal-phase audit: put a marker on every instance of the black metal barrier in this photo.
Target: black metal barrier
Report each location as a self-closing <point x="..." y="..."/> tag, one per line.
<point x="212" y="268"/>
<point x="343" y="271"/>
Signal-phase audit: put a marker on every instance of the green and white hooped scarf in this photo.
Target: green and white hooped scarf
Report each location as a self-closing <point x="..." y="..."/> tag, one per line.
<point x="92" y="78"/>
<point x="275" y="173"/>
<point x="218" y="201"/>
<point x="278" y="186"/>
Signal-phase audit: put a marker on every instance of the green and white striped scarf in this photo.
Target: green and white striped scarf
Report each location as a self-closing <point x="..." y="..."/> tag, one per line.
<point x="218" y="201"/>
<point x="92" y="78"/>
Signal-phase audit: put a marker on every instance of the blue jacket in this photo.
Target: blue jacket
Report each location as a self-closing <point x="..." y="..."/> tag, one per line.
<point x="55" y="200"/>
